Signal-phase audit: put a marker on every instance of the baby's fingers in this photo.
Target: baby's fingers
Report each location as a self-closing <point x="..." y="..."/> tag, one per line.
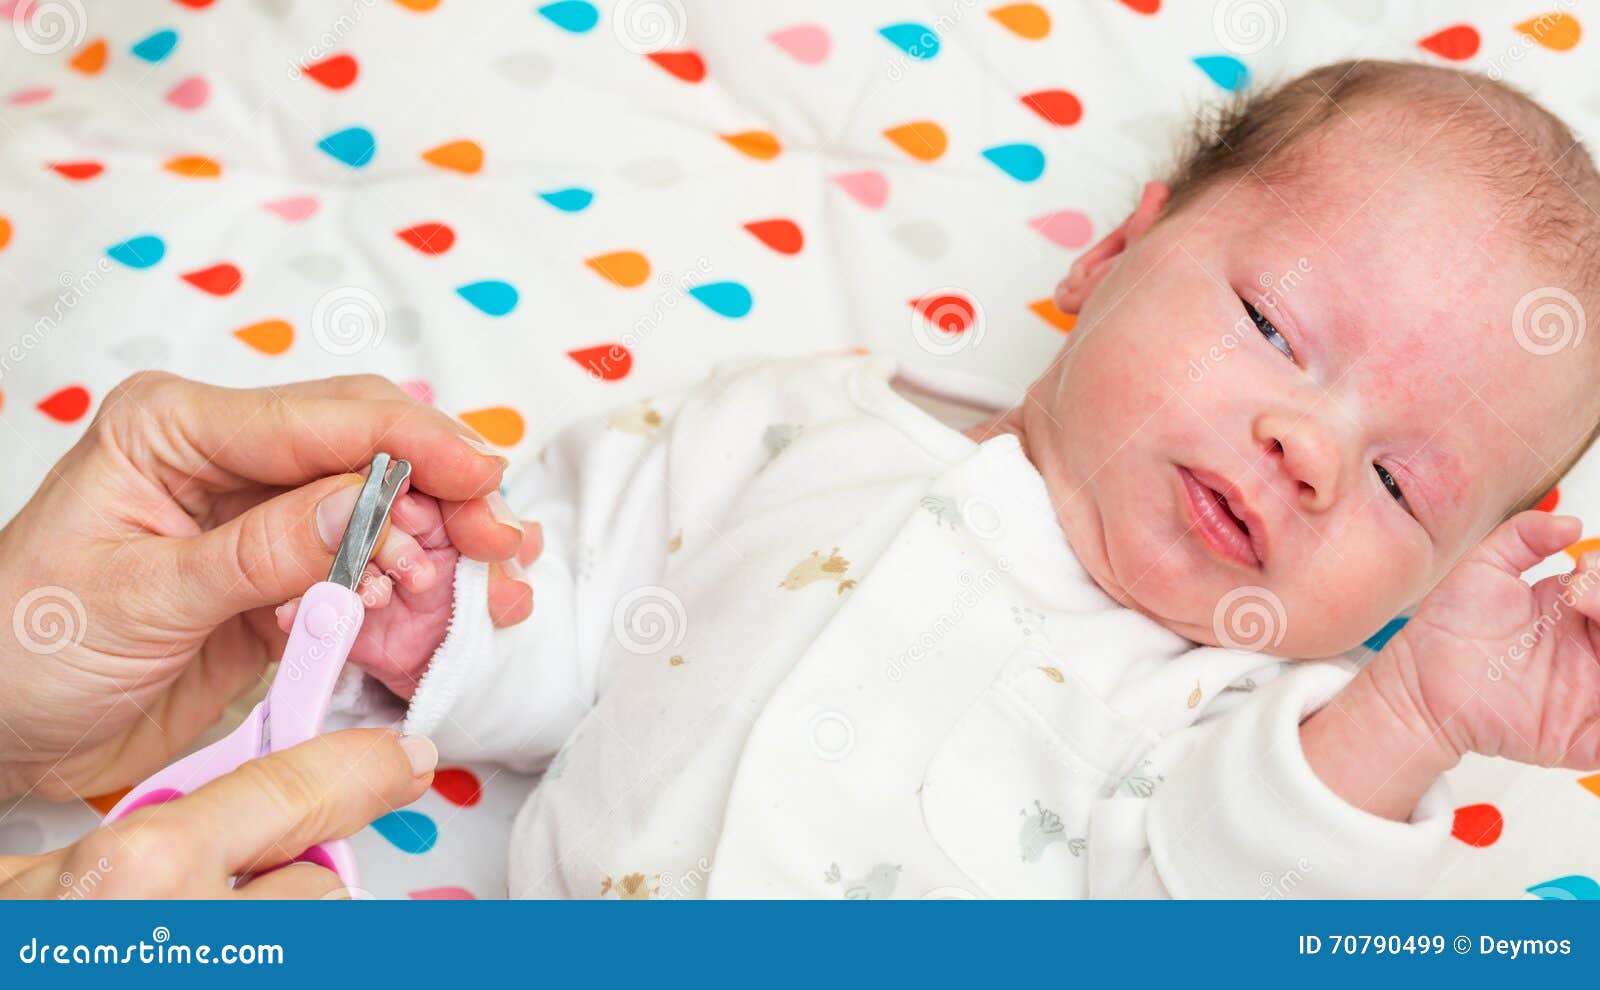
<point x="1524" y="540"/>
<point x="1583" y="585"/>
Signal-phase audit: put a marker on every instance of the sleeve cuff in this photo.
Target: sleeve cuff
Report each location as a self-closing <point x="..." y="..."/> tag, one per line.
<point x="1245" y="816"/>
<point x="468" y="640"/>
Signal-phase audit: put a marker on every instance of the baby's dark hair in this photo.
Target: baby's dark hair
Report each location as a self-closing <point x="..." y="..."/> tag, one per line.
<point x="1486" y="130"/>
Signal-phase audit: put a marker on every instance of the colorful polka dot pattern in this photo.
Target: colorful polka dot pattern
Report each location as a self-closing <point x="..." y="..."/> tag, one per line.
<point x="616" y="211"/>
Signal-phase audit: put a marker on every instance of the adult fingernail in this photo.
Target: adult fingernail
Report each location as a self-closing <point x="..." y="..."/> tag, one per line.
<point x="500" y="509"/>
<point x="422" y="754"/>
<point x="512" y="570"/>
<point x="333" y="515"/>
<point x="481" y="446"/>
<point x="532" y="543"/>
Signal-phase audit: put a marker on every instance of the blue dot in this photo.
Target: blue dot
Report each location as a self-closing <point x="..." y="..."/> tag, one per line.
<point x="576" y="16"/>
<point x="493" y="297"/>
<point x="354" y="146"/>
<point x="157" y="46"/>
<point x="1377" y="640"/>
<point x="916" y="40"/>
<point x="571" y="200"/>
<point x="1224" y="70"/>
<point x="138" y="252"/>
<point x="1023" y="162"/>
<point x="410" y="831"/>
<point x="728" y="299"/>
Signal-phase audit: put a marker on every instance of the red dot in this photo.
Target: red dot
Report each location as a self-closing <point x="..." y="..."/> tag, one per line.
<point x="607" y="362"/>
<point x="782" y="236"/>
<point x="1057" y="106"/>
<point x="67" y="405"/>
<point x="458" y="785"/>
<point x="1478" y="825"/>
<point x="1455" y="43"/>
<point x="688" y="66"/>
<point x="1550" y="501"/>
<point x="334" y="72"/>
<point x="429" y="238"/>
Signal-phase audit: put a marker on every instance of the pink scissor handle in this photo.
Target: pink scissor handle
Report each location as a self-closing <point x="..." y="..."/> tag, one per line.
<point x="325" y="627"/>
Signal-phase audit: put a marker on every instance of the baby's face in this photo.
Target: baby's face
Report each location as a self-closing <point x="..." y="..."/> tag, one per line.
<point x="1373" y="427"/>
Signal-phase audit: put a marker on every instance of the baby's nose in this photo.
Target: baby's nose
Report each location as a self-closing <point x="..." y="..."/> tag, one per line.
<point x="1305" y="453"/>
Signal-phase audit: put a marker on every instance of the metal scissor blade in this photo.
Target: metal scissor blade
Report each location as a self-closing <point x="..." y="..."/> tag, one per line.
<point x="366" y="521"/>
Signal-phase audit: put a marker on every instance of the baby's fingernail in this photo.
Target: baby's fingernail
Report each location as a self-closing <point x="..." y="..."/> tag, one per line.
<point x="333" y="515"/>
<point x="500" y="509"/>
<point x="421" y="753"/>
<point x="482" y="447"/>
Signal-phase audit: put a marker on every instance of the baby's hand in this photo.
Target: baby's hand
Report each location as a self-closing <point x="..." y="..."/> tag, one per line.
<point x="1489" y="664"/>
<point x="1507" y="669"/>
<point x="409" y="605"/>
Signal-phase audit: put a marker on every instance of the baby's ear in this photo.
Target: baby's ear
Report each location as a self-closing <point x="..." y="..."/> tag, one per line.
<point x="1091" y="266"/>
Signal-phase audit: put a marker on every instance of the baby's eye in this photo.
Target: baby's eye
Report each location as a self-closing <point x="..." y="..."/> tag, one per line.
<point x="1268" y="330"/>
<point x="1392" y="486"/>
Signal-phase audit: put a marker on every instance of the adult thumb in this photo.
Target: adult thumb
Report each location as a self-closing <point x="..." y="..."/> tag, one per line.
<point x="265" y="555"/>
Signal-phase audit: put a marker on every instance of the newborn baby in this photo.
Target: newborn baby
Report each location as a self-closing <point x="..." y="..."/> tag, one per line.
<point x="797" y="635"/>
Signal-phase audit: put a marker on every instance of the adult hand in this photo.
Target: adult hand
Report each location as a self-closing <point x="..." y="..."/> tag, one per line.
<point x="258" y="817"/>
<point x="142" y="573"/>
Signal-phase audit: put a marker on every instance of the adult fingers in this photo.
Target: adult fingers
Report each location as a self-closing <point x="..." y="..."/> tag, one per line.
<point x="483" y="528"/>
<point x="288" y="435"/>
<point x="295" y="882"/>
<point x="272" y="809"/>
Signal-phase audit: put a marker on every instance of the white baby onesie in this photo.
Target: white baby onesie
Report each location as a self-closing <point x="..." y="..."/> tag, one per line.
<point x="795" y="637"/>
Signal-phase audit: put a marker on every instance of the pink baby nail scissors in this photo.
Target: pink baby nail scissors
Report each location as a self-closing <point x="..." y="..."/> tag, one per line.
<point x="324" y="628"/>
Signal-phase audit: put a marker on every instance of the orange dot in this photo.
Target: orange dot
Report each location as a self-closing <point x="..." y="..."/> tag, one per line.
<point x="103" y="803"/>
<point x="1027" y="20"/>
<point x="1591" y="783"/>
<point x="1557" y="31"/>
<point x="761" y="145"/>
<point x="499" y="425"/>
<point x="420" y="6"/>
<point x="1046" y="310"/>
<point x="91" y="58"/>
<point x="194" y="167"/>
<point x="628" y="269"/>
<point x="465" y="157"/>
<point x="5" y="233"/>
<point x="1582" y="547"/>
<point x="268" y="336"/>
<point x="921" y="139"/>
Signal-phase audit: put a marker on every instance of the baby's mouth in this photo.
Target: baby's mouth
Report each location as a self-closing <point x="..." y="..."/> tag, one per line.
<point x="1225" y="531"/>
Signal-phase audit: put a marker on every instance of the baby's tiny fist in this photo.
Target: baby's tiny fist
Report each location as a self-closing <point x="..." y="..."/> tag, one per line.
<point x="409" y="603"/>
